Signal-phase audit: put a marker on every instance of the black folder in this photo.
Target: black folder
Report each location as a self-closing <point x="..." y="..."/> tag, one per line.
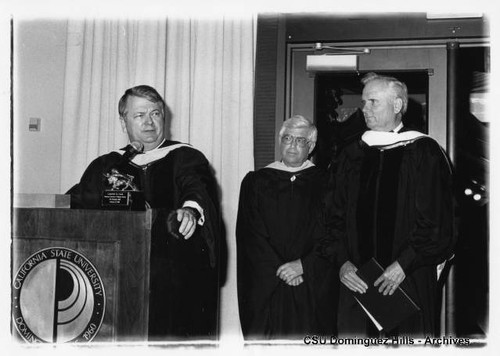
<point x="386" y="311"/>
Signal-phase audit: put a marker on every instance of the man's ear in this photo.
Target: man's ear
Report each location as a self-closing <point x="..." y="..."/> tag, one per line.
<point x="311" y="146"/>
<point x="124" y="125"/>
<point x="398" y="105"/>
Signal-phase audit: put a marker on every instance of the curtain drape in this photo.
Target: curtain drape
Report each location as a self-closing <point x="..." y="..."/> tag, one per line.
<point x="209" y="88"/>
<point x="103" y="59"/>
<point x="203" y="67"/>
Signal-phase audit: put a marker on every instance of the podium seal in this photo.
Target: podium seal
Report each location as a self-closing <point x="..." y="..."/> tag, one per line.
<point x="57" y="297"/>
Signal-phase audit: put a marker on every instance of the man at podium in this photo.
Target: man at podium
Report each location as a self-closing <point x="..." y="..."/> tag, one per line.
<point x="153" y="172"/>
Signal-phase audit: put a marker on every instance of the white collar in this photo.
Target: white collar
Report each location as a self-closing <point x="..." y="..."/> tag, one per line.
<point x="283" y="167"/>
<point x="387" y="140"/>
<point x="155" y="154"/>
<point x="398" y="128"/>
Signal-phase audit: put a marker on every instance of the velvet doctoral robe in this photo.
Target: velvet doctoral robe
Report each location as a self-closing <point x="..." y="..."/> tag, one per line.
<point x="279" y="220"/>
<point x="393" y="203"/>
<point x="183" y="276"/>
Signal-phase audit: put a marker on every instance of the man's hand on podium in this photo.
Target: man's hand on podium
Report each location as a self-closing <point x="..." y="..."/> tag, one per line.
<point x="188" y="221"/>
<point x="181" y="223"/>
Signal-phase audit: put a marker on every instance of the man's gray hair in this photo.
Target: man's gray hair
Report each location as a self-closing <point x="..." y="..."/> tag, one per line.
<point x="398" y="87"/>
<point x="299" y="122"/>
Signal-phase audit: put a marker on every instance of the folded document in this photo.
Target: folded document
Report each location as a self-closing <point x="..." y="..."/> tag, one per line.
<point x="385" y="311"/>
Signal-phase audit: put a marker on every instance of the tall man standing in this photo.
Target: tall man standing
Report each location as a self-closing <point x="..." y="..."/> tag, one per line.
<point x="172" y="177"/>
<point x="393" y="201"/>
<point x="285" y="291"/>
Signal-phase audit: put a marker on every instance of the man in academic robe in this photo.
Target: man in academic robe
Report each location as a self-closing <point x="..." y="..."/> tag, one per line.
<point x="176" y="180"/>
<point x="393" y="201"/>
<point x="285" y="291"/>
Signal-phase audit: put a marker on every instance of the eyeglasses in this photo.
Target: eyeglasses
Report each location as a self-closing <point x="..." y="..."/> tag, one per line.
<point x="289" y="139"/>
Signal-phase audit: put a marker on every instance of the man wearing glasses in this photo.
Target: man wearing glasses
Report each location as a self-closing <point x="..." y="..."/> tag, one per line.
<point x="284" y="290"/>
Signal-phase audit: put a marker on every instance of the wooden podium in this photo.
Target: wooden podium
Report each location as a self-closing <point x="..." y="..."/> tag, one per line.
<point x="116" y="243"/>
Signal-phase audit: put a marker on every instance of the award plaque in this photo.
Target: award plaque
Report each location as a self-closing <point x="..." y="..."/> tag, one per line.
<point x="116" y="198"/>
<point x="121" y="193"/>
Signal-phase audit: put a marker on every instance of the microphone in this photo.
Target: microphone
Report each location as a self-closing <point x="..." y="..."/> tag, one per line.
<point x="132" y="150"/>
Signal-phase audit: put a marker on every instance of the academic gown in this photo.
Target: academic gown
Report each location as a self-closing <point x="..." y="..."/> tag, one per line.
<point x="395" y="205"/>
<point x="183" y="277"/>
<point x="279" y="220"/>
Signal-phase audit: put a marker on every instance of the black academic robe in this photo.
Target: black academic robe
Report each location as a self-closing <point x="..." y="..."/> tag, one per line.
<point x="279" y="221"/>
<point x="183" y="277"/>
<point x="394" y="205"/>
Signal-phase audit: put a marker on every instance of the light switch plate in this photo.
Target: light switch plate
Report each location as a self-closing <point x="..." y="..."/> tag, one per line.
<point x="35" y="124"/>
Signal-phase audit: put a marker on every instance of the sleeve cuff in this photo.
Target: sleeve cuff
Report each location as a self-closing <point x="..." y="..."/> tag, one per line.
<point x="406" y="258"/>
<point x="195" y="205"/>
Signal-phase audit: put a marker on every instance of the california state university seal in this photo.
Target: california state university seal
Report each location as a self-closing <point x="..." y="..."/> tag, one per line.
<point x="57" y="296"/>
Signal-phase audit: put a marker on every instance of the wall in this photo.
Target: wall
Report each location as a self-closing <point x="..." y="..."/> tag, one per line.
<point x="302" y="82"/>
<point x="269" y="87"/>
<point x="320" y="27"/>
<point x="38" y="79"/>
